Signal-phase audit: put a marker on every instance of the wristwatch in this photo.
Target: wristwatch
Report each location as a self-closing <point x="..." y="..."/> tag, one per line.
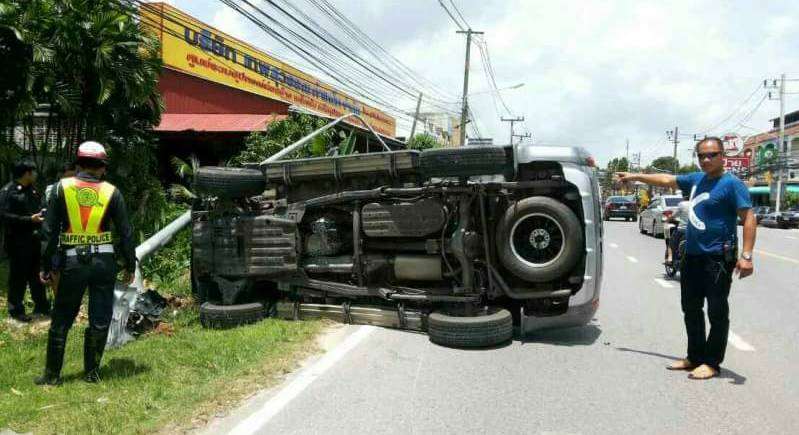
<point x="746" y="256"/>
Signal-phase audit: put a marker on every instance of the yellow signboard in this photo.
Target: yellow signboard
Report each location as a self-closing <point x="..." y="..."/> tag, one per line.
<point x="195" y="48"/>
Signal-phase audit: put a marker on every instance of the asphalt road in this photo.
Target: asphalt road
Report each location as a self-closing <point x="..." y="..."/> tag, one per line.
<point x="606" y="378"/>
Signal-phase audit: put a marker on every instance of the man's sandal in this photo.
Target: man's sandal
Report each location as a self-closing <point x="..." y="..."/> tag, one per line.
<point x="703" y="372"/>
<point x="681" y="364"/>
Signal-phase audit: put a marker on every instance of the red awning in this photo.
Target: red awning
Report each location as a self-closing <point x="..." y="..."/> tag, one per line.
<point x="216" y="122"/>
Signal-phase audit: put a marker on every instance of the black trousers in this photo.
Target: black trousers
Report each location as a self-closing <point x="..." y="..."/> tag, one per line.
<point x="706" y="277"/>
<point x="23" y="261"/>
<point x="99" y="276"/>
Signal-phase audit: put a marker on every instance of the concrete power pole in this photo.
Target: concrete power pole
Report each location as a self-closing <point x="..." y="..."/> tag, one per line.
<point x="675" y="135"/>
<point x="781" y="148"/>
<point x="465" y="103"/>
<point x="627" y="154"/>
<point x="512" y="121"/>
<point x="415" y="116"/>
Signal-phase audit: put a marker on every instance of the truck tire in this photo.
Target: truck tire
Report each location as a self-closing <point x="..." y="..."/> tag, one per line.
<point x="539" y="239"/>
<point x="215" y="316"/>
<point x="463" y="162"/>
<point x="491" y="329"/>
<point x="229" y="182"/>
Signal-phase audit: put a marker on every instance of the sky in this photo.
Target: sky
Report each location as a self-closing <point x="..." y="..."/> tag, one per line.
<point x="595" y="73"/>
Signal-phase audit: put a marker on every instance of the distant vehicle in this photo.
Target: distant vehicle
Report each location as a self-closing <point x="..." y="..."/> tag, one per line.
<point x="761" y="211"/>
<point x="620" y="207"/>
<point x="660" y="209"/>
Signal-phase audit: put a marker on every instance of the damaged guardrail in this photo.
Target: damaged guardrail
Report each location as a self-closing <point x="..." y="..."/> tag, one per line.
<point x="125" y="296"/>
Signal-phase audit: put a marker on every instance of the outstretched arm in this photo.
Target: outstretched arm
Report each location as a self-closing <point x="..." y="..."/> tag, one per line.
<point x="661" y="180"/>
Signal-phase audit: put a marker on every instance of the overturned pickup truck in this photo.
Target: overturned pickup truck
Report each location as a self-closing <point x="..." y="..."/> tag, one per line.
<point x="463" y="243"/>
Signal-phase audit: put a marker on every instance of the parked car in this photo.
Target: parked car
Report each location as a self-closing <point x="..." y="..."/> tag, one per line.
<point x="403" y="239"/>
<point x="783" y="220"/>
<point x="620" y="207"/>
<point x="660" y="209"/>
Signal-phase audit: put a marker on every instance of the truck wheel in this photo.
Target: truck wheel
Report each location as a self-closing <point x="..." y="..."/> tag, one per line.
<point x="229" y="182"/>
<point x="539" y="239"/>
<point x="215" y="316"/>
<point x="489" y="329"/>
<point x="463" y="162"/>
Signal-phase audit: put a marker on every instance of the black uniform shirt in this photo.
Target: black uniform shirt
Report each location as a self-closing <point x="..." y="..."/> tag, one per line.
<point x="17" y="204"/>
<point x="57" y="221"/>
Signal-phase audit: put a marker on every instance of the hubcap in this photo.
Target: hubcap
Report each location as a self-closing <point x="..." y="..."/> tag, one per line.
<point x="537" y="240"/>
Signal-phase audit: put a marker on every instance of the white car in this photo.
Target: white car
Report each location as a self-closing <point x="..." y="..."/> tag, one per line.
<point x="651" y="219"/>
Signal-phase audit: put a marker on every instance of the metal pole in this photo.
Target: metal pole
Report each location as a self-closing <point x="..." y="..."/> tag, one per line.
<point x="781" y="147"/>
<point x="465" y="102"/>
<point x="415" y="117"/>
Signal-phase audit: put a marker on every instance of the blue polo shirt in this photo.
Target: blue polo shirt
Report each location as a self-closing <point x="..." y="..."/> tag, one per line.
<point x="713" y="210"/>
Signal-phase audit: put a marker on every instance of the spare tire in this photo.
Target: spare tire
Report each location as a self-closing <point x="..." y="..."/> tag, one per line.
<point x="539" y="239"/>
<point x="215" y="316"/>
<point x="489" y="329"/>
<point x="229" y="182"/>
<point x="463" y="162"/>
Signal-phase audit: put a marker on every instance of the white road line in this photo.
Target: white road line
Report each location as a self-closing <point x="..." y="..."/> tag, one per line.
<point x="663" y="283"/>
<point x="632" y="259"/>
<point x="769" y="254"/>
<point x="613" y="245"/>
<point x="258" y="419"/>
<point x="739" y="342"/>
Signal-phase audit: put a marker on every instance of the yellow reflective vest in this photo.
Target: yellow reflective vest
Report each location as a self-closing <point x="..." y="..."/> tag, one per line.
<point x="86" y="204"/>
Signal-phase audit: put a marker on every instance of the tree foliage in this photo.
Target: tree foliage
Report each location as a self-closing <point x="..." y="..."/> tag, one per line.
<point x="76" y="70"/>
<point x="262" y="144"/>
<point x="422" y="142"/>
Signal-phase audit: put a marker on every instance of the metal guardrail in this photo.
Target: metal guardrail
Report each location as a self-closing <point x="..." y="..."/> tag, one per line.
<point x="125" y="296"/>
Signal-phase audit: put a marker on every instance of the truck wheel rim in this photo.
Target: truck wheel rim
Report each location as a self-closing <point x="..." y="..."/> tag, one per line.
<point x="537" y="240"/>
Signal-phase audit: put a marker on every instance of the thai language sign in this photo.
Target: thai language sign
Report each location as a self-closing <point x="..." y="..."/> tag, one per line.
<point x="736" y="164"/>
<point x="195" y="48"/>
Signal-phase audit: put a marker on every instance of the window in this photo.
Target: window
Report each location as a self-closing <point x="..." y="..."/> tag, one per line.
<point x="673" y="202"/>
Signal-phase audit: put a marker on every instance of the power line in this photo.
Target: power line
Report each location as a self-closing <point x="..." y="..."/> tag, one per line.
<point x="737" y="109"/>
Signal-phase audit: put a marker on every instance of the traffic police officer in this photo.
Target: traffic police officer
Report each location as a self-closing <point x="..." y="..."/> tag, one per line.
<point x="77" y="228"/>
<point x="22" y="219"/>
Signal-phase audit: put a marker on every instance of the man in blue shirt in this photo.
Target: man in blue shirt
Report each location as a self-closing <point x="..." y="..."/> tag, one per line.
<point x="716" y="200"/>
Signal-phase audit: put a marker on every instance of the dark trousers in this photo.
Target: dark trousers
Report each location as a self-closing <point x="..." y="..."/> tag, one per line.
<point x="99" y="276"/>
<point x="706" y="277"/>
<point x="23" y="262"/>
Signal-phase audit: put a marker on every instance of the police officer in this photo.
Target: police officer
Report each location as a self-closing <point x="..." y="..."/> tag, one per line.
<point x="77" y="228"/>
<point x="22" y="219"/>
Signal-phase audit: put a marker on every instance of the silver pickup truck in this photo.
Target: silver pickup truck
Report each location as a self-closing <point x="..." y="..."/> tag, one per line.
<point x="464" y="243"/>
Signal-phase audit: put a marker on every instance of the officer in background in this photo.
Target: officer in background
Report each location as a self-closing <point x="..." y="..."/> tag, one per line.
<point x="77" y="228"/>
<point x="22" y="220"/>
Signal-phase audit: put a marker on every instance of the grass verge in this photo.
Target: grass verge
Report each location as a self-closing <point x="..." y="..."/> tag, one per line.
<point x="176" y="378"/>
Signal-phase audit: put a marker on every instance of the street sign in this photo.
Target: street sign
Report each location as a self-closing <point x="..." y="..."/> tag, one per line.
<point x="736" y="164"/>
<point x="732" y="143"/>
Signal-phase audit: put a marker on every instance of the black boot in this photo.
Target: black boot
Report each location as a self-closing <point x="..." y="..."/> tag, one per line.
<point x="93" y="347"/>
<point x="56" y="344"/>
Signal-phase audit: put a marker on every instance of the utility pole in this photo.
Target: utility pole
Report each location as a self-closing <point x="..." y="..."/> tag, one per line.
<point x="627" y="154"/>
<point x="465" y="103"/>
<point x="675" y="136"/>
<point x="512" y="121"/>
<point x="781" y="148"/>
<point x="416" y="116"/>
